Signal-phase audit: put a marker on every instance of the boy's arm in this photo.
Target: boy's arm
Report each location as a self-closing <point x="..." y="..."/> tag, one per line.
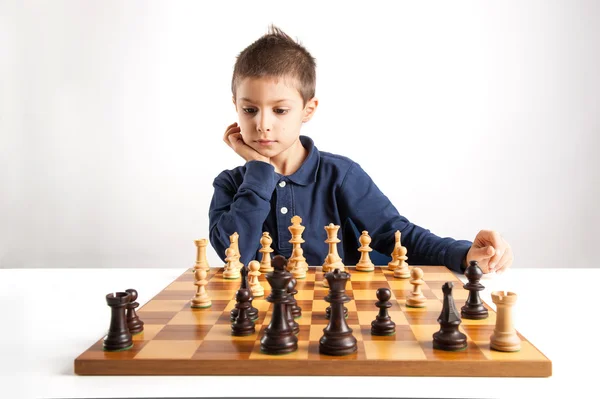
<point x="243" y="211"/>
<point x="371" y="210"/>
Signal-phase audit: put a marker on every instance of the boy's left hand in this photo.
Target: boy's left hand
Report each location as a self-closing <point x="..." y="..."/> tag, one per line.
<point x="491" y="252"/>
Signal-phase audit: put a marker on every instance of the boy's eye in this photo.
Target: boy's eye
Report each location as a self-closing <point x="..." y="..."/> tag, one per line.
<point x="279" y="111"/>
<point x="283" y="111"/>
<point x="249" y="110"/>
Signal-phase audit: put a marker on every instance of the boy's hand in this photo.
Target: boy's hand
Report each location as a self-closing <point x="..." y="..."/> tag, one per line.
<point x="233" y="138"/>
<point x="491" y="252"/>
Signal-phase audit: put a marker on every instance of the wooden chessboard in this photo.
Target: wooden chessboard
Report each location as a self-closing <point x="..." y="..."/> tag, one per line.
<point x="179" y="340"/>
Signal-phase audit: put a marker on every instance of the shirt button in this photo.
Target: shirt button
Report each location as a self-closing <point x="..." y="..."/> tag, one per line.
<point x="284" y="210"/>
<point x="281" y="184"/>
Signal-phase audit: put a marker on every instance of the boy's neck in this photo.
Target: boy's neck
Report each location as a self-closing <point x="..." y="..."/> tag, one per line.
<point x="289" y="161"/>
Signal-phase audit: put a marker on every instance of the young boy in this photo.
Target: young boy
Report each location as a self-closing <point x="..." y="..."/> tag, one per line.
<point x="273" y="90"/>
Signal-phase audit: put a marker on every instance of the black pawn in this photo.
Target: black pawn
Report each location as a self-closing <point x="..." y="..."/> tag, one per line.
<point x="118" y="337"/>
<point x="134" y="323"/>
<point x="448" y="338"/>
<point x="474" y="308"/>
<point x="296" y="310"/>
<point x="383" y="324"/>
<point x="279" y="337"/>
<point x="337" y="339"/>
<point x="242" y="325"/>
<point x="252" y="312"/>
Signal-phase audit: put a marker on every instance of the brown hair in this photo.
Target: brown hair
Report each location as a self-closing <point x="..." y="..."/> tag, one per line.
<point x="277" y="55"/>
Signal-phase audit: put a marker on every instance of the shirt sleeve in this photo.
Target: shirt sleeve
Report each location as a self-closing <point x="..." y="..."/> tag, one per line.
<point x="243" y="210"/>
<point x="371" y="210"/>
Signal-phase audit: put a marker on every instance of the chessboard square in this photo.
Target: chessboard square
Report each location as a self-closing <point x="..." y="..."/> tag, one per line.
<point x="424" y="332"/>
<point x="400" y="284"/>
<point x="490" y="320"/>
<point x="471" y="353"/>
<point x="195" y="316"/>
<point x="432" y="305"/>
<point x="527" y="352"/>
<point x="441" y="276"/>
<point x="316" y="332"/>
<point x="224" y="350"/>
<point x="304" y="295"/>
<point x="422" y="316"/>
<point x="156" y="317"/>
<point x="181" y="286"/>
<point x="165" y="305"/>
<point x="369" y="285"/>
<point x="305" y="319"/>
<point x="300" y="354"/>
<point x="149" y="332"/>
<point x="222" y="332"/>
<point x="261" y="304"/>
<point x="362" y="295"/>
<point x="183" y="332"/>
<point x="366" y="317"/>
<point x="309" y="279"/>
<point x="305" y="305"/>
<point x="394" y="350"/>
<point x="221" y="295"/>
<point x="168" y="350"/>
<point x="361" y="276"/>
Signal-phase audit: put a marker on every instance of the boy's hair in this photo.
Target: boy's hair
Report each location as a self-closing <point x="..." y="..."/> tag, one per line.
<point x="277" y="55"/>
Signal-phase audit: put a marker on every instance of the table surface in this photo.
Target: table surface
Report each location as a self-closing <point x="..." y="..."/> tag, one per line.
<point x="51" y="316"/>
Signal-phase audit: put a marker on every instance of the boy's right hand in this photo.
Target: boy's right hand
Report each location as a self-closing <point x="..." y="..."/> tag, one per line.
<point x="233" y="138"/>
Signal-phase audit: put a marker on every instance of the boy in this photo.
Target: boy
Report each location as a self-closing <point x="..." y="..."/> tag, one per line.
<point x="273" y="90"/>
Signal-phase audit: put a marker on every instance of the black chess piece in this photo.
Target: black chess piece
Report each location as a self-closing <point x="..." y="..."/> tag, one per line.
<point x="118" y="337"/>
<point x="252" y="312"/>
<point x="242" y="325"/>
<point x="473" y="308"/>
<point x="337" y="339"/>
<point x="448" y="338"/>
<point x="134" y="323"/>
<point x="288" y="309"/>
<point x="383" y="324"/>
<point x="279" y="337"/>
<point x="328" y="309"/>
<point x="296" y="310"/>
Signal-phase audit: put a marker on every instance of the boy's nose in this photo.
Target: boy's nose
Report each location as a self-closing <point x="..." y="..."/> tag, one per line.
<point x="264" y="124"/>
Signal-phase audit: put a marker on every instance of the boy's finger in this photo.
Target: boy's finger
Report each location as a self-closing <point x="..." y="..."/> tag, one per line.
<point x="505" y="262"/>
<point x="495" y="260"/>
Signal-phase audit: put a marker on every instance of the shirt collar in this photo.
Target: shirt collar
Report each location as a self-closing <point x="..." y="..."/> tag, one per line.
<point x="307" y="173"/>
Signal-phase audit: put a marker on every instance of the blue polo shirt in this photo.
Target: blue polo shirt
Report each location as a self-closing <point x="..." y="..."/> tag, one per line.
<point x="327" y="188"/>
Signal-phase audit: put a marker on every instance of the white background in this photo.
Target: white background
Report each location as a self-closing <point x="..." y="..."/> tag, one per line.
<point x="468" y="115"/>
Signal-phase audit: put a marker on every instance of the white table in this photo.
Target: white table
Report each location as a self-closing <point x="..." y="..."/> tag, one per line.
<point x="51" y="316"/>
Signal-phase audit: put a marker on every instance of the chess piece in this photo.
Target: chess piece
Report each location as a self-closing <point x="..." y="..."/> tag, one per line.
<point x="231" y="271"/>
<point x="118" y="337"/>
<point x="402" y="270"/>
<point x="332" y="260"/>
<point x="279" y="337"/>
<point x="448" y="338"/>
<point x="365" y="264"/>
<point x="265" y="263"/>
<point x="292" y="291"/>
<point x="383" y="324"/>
<point x="201" y="261"/>
<point x="288" y="309"/>
<point x="201" y="299"/>
<point x="134" y="324"/>
<point x="474" y="308"/>
<point x="395" y="262"/>
<point x="242" y="325"/>
<point x="253" y="273"/>
<point x="337" y="339"/>
<point x="504" y="338"/>
<point x="234" y="243"/>
<point x="296" y="229"/>
<point x="300" y="265"/>
<point x="416" y="298"/>
<point x="252" y="311"/>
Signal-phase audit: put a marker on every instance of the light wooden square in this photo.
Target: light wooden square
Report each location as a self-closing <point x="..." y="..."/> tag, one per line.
<point x="304" y="295"/>
<point x="182" y="286"/>
<point x="169" y="305"/>
<point x="527" y="352"/>
<point x="430" y="305"/>
<point x="169" y="349"/>
<point x="394" y="350"/>
<point x="204" y="317"/>
<point x="150" y="331"/>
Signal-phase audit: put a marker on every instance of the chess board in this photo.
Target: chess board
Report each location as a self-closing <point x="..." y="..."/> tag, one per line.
<point x="180" y="340"/>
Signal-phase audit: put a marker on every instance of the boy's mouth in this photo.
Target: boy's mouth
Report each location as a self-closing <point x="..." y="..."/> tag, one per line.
<point x="266" y="142"/>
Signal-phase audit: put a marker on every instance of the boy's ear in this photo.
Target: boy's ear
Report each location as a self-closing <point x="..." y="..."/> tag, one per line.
<point x="309" y="109"/>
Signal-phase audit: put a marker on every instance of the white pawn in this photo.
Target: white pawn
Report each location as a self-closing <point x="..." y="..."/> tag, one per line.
<point x="365" y="264"/>
<point x="231" y="271"/>
<point x="300" y="265"/>
<point x="402" y="270"/>
<point x="254" y="272"/>
<point x="201" y="299"/>
<point x="416" y="298"/>
<point x="265" y="263"/>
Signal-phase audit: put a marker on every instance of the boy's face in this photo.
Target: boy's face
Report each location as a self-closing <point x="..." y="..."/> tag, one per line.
<point x="271" y="113"/>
